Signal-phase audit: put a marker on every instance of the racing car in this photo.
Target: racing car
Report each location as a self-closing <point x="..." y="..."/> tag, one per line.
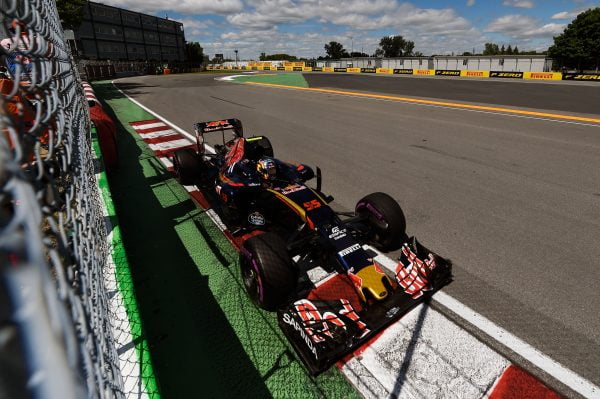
<point x="290" y="229"/>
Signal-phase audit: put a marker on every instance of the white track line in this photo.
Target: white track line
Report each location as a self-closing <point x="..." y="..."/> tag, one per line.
<point x="515" y="344"/>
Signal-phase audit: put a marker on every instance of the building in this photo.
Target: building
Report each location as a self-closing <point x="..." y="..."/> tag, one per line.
<point x="111" y="33"/>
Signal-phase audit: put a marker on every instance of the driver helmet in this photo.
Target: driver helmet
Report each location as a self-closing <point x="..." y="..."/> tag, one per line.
<point x="266" y="168"/>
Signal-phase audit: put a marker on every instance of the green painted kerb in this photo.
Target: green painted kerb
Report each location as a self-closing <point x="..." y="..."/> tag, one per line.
<point x="125" y="282"/>
<point x="288" y="79"/>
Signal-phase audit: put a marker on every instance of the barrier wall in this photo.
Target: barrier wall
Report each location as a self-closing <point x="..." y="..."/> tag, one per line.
<point x="465" y="73"/>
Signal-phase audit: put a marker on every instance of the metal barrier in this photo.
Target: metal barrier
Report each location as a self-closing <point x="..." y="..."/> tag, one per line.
<point x="56" y="330"/>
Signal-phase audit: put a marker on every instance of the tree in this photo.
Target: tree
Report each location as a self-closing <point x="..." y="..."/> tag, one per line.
<point x="491" y="49"/>
<point x="335" y="50"/>
<point x="516" y="50"/>
<point x="509" y="50"/>
<point x="396" y="46"/>
<point x="276" y="57"/>
<point x="418" y="54"/>
<point x="579" y="44"/>
<point x="194" y="52"/>
<point x="502" y="50"/>
<point x="357" y="54"/>
<point x="70" y="12"/>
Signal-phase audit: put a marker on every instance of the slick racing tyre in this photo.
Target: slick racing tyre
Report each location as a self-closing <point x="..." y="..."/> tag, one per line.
<point x="267" y="270"/>
<point x="187" y="166"/>
<point x="385" y="219"/>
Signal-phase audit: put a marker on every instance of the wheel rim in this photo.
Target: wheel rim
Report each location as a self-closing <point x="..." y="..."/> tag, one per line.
<point x="251" y="279"/>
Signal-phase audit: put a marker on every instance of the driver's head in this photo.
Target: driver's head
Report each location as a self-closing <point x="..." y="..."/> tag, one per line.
<point x="266" y="168"/>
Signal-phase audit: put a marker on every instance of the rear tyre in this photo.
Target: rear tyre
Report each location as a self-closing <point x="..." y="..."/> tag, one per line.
<point x="187" y="166"/>
<point x="267" y="271"/>
<point x="385" y="220"/>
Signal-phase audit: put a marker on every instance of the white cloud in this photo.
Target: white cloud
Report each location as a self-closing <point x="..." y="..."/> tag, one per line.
<point x="182" y="6"/>
<point x="523" y="27"/>
<point x="519" y="3"/>
<point x="568" y="14"/>
<point x="470" y="3"/>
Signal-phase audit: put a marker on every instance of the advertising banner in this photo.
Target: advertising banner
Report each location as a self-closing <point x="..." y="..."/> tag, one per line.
<point x="507" y="75"/>
<point x="317" y="69"/>
<point x="543" y="75"/>
<point x="403" y="71"/>
<point x="280" y="68"/>
<point x="353" y="70"/>
<point x="368" y="70"/>
<point x="424" y="72"/>
<point x="475" y="74"/>
<point x="339" y="69"/>
<point x="581" y="76"/>
<point x="387" y="71"/>
<point x="328" y="69"/>
<point x="289" y="68"/>
<point x="447" y="72"/>
<point x="307" y="69"/>
<point x="297" y="68"/>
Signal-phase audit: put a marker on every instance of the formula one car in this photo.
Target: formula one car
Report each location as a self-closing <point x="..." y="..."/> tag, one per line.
<point x="291" y="230"/>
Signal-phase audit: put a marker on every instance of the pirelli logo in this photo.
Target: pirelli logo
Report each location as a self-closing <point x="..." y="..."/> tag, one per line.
<point x="541" y="75"/>
<point x="509" y="75"/>
<point x="581" y="76"/>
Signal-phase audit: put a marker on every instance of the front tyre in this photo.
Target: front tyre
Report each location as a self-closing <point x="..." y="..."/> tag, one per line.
<point x="385" y="219"/>
<point x="268" y="273"/>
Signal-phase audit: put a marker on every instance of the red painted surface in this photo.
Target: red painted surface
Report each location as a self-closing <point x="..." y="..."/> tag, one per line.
<point x="516" y="383"/>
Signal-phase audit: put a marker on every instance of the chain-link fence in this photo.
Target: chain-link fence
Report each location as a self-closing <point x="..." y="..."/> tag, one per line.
<point x="56" y="338"/>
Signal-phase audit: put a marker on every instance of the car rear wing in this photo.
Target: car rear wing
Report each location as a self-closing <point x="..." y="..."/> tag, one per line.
<point x="217" y="126"/>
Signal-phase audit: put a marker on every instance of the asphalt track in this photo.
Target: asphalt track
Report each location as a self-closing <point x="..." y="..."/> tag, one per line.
<point x="515" y="202"/>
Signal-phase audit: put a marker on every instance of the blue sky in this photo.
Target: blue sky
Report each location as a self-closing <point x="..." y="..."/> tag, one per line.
<point x="302" y="27"/>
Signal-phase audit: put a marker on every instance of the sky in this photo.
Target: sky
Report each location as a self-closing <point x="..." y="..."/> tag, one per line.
<point x="302" y="27"/>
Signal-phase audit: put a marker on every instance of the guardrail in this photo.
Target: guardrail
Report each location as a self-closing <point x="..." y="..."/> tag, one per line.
<point x="427" y="72"/>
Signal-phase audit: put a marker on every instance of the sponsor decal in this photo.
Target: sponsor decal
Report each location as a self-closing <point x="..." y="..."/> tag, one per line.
<point x="339" y="69"/>
<point x="403" y="71"/>
<point x="540" y="75"/>
<point x="256" y="218"/>
<point x="292" y="188"/>
<point x="581" y="76"/>
<point x="297" y="68"/>
<point x="317" y="69"/>
<point x="447" y="72"/>
<point x="509" y="75"/>
<point x="337" y="233"/>
<point x="288" y="319"/>
<point x="368" y="70"/>
<point x="349" y="250"/>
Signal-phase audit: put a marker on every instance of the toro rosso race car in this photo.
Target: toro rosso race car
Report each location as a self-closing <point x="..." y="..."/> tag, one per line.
<point x="290" y="231"/>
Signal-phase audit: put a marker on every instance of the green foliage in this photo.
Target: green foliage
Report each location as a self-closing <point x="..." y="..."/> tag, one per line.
<point x="194" y="52"/>
<point x="70" y="12"/>
<point x="335" y="51"/>
<point x="277" y="57"/>
<point x="579" y="45"/>
<point x="396" y="46"/>
<point x="491" y="49"/>
<point x="358" y="54"/>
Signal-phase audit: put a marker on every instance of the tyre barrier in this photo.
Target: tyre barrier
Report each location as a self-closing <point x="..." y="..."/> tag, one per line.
<point x="105" y="128"/>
